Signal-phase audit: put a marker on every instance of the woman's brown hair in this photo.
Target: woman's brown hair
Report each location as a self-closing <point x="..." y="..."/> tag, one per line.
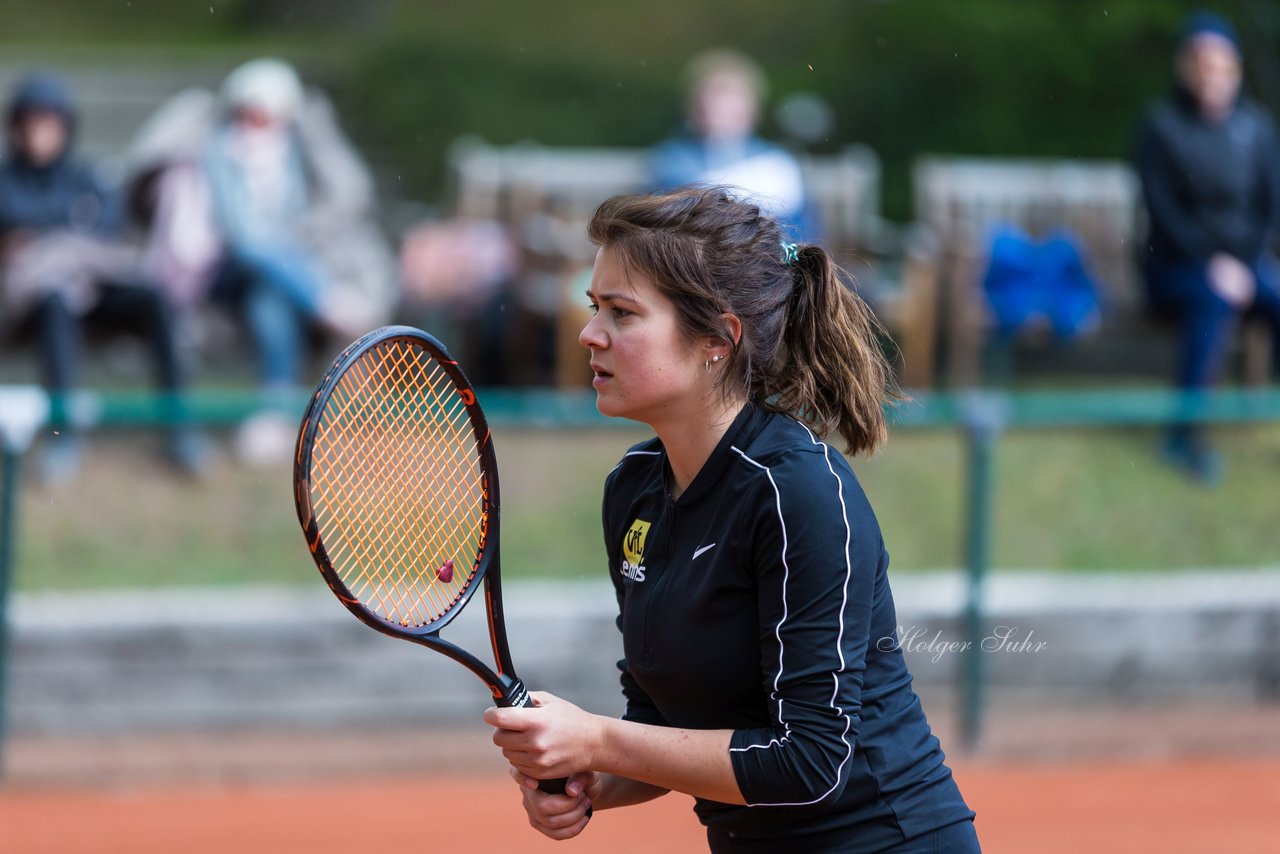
<point x="810" y="345"/>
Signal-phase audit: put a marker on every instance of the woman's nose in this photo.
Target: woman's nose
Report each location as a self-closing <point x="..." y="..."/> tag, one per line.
<point x="591" y="336"/>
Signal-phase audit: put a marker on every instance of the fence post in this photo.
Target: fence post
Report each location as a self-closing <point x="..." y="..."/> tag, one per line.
<point x="8" y="528"/>
<point x="22" y="410"/>
<point x="984" y="417"/>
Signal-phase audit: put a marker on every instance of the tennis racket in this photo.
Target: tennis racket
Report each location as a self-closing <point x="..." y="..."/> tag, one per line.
<point x="396" y="485"/>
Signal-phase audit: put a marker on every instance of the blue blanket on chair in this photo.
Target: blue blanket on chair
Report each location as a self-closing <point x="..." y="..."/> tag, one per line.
<point x="1032" y="283"/>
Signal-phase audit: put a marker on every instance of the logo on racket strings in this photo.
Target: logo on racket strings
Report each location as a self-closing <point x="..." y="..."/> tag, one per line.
<point x="633" y="550"/>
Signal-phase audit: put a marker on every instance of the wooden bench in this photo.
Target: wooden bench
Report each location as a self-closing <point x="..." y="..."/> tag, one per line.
<point x="962" y="199"/>
<point x="546" y="195"/>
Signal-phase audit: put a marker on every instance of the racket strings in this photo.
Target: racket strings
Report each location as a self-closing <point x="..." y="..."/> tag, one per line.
<point x="391" y="588"/>
<point x="397" y="485"/>
<point x="401" y="575"/>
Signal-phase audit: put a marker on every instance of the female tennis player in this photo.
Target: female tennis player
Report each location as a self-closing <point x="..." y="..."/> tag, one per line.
<point x="761" y="673"/>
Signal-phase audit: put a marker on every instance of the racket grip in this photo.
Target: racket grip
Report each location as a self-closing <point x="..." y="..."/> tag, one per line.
<point x="553" y="787"/>
<point x="513" y="693"/>
<point x="556" y="787"/>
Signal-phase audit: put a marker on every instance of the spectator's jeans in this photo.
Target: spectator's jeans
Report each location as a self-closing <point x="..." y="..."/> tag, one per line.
<point x="120" y="308"/>
<point x="1207" y="322"/>
<point x="276" y="291"/>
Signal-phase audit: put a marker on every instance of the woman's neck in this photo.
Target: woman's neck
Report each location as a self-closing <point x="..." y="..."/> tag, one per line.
<point x="690" y="441"/>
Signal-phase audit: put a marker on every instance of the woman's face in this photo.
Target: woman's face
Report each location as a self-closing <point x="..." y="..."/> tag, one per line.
<point x="1210" y="70"/>
<point x="724" y="107"/>
<point x="41" y="135"/>
<point x="644" y="367"/>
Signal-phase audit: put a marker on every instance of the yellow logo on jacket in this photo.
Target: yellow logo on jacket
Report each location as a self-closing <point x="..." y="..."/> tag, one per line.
<point x="633" y="550"/>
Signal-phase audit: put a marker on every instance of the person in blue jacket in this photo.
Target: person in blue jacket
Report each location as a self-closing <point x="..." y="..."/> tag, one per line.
<point x="762" y="671"/>
<point x="1209" y="165"/>
<point x="720" y="144"/>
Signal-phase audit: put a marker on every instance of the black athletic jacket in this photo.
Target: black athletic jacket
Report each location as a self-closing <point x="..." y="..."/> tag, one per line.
<point x="759" y="602"/>
<point x="1209" y="186"/>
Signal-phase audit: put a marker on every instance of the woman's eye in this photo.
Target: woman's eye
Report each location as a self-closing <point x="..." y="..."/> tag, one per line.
<point x="621" y="312"/>
<point x="595" y="309"/>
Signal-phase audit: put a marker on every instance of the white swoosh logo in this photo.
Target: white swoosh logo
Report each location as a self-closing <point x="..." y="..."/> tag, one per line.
<point x="698" y="552"/>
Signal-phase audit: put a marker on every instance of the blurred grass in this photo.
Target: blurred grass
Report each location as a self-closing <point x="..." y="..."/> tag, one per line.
<point x="1087" y="500"/>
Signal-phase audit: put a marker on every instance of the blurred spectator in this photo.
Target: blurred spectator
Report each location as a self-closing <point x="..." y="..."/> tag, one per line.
<point x="65" y="266"/>
<point x="1210" y="175"/>
<point x="457" y="275"/>
<point x="255" y="201"/>
<point x="720" y="144"/>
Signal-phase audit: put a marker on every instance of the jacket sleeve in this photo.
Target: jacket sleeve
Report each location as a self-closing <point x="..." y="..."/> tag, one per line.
<point x="1266" y="216"/>
<point x="1167" y="210"/>
<point x="640" y="709"/>
<point x="110" y="221"/>
<point x="817" y="552"/>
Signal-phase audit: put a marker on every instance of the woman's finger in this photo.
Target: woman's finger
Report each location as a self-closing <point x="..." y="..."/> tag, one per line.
<point x="522" y="779"/>
<point x="555" y="812"/>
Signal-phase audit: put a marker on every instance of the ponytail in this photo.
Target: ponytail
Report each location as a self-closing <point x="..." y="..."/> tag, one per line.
<point x="831" y="373"/>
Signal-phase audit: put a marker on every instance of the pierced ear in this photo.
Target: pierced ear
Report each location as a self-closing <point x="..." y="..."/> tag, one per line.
<point x="716" y="349"/>
<point x="719" y="349"/>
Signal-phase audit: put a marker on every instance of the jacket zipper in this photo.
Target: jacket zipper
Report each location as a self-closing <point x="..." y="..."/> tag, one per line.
<point x="668" y="537"/>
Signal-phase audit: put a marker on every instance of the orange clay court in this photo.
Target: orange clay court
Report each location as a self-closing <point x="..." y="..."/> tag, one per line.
<point x="1192" y="805"/>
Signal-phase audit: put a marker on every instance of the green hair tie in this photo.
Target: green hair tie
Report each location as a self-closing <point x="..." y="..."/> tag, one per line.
<point x="790" y="253"/>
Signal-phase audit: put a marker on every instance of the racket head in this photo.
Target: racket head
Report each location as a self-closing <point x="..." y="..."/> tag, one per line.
<point x="396" y="485"/>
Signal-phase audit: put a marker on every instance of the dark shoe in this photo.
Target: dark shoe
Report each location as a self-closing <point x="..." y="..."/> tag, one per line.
<point x="1192" y="455"/>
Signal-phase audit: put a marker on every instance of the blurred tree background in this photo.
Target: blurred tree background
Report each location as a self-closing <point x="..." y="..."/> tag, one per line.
<point x="1009" y="77"/>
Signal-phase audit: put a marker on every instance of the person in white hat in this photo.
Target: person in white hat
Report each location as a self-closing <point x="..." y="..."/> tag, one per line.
<point x="259" y="187"/>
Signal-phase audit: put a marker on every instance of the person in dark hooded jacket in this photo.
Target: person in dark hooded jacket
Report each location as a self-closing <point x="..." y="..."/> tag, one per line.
<point x="1210" y="171"/>
<point x="64" y="266"/>
<point x="42" y="186"/>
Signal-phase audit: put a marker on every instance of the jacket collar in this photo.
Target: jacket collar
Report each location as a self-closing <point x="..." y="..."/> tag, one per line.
<point x="745" y="425"/>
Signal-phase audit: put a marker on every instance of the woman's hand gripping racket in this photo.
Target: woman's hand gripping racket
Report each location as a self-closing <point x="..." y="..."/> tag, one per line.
<point x="397" y="491"/>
